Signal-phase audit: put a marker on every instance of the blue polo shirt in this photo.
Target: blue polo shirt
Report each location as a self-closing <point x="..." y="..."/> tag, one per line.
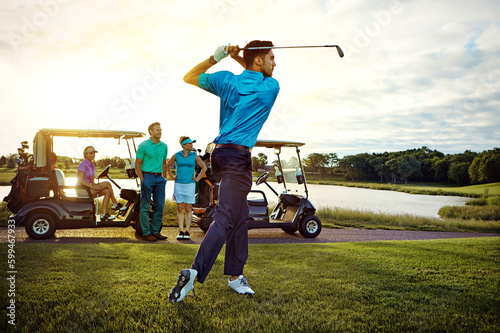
<point x="245" y="103"/>
<point x="152" y="155"/>
<point x="185" y="167"/>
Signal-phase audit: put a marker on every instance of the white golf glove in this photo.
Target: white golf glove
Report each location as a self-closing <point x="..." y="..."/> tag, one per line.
<point x="221" y="52"/>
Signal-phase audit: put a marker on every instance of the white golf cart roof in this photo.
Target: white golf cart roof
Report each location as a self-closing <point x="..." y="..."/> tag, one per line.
<point x="92" y="133"/>
<point x="42" y="143"/>
<point x="277" y="144"/>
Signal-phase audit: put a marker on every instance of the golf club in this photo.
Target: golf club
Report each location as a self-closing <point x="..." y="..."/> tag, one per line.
<point x="339" y="50"/>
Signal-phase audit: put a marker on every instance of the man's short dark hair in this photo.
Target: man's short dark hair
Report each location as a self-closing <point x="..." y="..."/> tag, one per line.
<point x="150" y="128"/>
<point x="249" y="55"/>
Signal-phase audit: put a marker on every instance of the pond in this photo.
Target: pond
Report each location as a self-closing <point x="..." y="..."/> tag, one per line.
<point x="389" y="202"/>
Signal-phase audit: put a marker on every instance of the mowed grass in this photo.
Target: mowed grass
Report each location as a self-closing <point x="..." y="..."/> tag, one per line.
<point x="491" y="188"/>
<point x="6" y="175"/>
<point x="438" y="285"/>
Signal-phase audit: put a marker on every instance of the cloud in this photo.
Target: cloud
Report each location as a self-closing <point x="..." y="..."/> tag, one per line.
<point x="415" y="73"/>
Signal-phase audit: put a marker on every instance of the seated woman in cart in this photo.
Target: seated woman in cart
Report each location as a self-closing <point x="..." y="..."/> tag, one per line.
<point x="85" y="177"/>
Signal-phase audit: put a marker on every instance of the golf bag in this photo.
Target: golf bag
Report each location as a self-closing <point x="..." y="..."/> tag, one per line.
<point x="16" y="198"/>
<point x="18" y="195"/>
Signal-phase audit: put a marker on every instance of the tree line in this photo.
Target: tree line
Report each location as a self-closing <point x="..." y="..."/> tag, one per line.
<point x="404" y="166"/>
<point x="415" y="165"/>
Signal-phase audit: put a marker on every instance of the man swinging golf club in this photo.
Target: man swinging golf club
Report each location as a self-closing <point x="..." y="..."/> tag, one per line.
<point x="246" y="101"/>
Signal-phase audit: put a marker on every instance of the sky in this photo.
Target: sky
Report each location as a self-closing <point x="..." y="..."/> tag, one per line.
<point x="415" y="73"/>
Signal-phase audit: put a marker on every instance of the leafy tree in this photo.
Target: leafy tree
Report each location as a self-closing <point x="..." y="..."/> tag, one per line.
<point x="440" y="167"/>
<point x="458" y="168"/>
<point x="379" y="165"/>
<point x="353" y="166"/>
<point x="11" y="161"/>
<point x="332" y="160"/>
<point x="467" y="156"/>
<point x="459" y="172"/>
<point x="293" y="162"/>
<point x="3" y="160"/>
<point x="255" y="163"/>
<point x="425" y="156"/>
<point x="405" y="167"/>
<point x="259" y="162"/>
<point x="115" y="162"/>
<point x="315" y="161"/>
<point x="474" y="169"/>
<point x="485" y="168"/>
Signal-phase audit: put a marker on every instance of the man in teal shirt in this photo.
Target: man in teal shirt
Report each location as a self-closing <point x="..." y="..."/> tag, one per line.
<point x="150" y="165"/>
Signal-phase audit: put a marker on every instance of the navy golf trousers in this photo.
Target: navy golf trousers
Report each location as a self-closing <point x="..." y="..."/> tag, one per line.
<point x="234" y="167"/>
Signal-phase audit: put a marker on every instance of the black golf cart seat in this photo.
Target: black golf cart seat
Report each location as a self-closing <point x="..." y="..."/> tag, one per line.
<point x="257" y="204"/>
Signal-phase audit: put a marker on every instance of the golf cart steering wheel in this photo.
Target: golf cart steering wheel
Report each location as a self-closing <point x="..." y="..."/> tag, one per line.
<point x="104" y="172"/>
<point x="262" y="178"/>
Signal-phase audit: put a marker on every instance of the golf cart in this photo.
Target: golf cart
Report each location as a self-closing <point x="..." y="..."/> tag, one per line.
<point x="293" y="211"/>
<point x="42" y="200"/>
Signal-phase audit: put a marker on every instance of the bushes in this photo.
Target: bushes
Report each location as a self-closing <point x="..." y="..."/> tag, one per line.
<point x="486" y="209"/>
<point x="477" y="202"/>
<point x="474" y="211"/>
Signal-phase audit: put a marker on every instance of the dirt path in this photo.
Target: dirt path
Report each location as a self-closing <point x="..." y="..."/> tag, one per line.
<point x="256" y="236"/>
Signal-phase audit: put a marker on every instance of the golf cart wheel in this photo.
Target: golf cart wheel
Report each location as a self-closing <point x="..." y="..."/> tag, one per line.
<point x="41" y="225"/>
<point x="310" y="226"/>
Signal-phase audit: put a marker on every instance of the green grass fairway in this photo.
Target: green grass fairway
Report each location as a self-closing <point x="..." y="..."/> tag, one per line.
<point x="6" y="176"/>
<point x="491" y="188"/>
<point x="407" y="286"/>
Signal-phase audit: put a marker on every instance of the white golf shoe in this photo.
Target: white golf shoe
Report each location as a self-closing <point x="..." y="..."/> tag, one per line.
<point x="185" y="283"/>
<point x="240" y="285"/>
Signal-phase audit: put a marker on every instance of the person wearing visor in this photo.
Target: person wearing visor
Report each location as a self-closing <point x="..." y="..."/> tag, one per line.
<point x="86" y="177"/>
<point x="185" y="182"/>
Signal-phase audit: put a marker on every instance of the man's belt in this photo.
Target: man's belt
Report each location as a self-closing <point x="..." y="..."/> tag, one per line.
<point x="232" y="146"/>
<point x="152" y="173"/>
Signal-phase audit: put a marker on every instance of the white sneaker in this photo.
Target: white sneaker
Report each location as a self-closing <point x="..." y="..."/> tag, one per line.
<point x="240" y="285"/>
<point x="184" y="285"/>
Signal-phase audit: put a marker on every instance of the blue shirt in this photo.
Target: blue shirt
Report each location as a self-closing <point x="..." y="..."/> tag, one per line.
<point x="245" y="103"/>
<point x="185" y="167"/>
<point x="152" y="155"/>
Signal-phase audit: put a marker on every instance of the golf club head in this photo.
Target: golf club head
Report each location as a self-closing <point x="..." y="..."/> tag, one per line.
<point x="339" y="50"/>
